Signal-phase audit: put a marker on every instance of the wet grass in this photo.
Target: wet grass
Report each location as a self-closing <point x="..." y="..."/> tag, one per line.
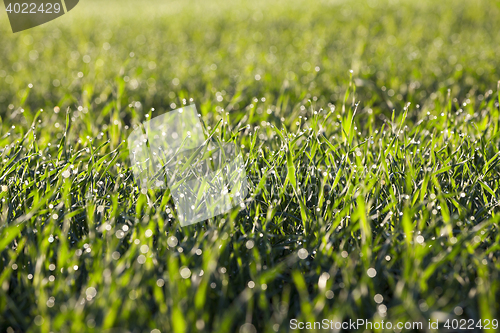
<point x="370" y="134"/>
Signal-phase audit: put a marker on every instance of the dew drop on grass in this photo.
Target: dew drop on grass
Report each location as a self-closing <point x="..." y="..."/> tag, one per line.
<point x="172" y="241"/>
<point x="50" y="302"/>
<point x="185" y="272"/>
<point x="371" y="272"/>
<point x="247" y="328"/>
<point x="250" y="244"/>
<point x="302" y="253"/>
<point x="39" y="320"/>
<point x="144" y="249"/>
<point x="141" y="259"/>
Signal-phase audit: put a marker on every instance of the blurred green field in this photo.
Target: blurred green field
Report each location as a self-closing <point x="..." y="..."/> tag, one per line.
<point x="371" y="138"/>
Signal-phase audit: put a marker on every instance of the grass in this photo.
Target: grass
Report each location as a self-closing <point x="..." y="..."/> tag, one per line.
<point x="370" y="133"/>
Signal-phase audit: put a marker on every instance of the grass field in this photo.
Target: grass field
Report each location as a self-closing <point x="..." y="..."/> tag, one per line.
<point x="370" y="133"/>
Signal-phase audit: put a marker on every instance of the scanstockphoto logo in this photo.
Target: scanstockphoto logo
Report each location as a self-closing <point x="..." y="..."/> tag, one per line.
<point x="206" y="177"/>
<point x="31" y="13"/>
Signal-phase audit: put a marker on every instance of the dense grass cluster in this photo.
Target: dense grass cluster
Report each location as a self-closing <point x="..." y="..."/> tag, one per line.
<point x="370" y="134"/>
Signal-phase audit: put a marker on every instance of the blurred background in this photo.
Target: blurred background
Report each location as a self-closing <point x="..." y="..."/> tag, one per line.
<point x="158" y="53"/>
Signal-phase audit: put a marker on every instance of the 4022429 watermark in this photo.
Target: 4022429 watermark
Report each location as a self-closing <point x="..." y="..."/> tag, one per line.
<point x="401" y="326"/>
<point x="31" y="13"/>
<point x="206" y="177"/>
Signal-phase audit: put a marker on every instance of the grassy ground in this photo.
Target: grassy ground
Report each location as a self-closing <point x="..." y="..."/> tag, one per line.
<point x="371" y="138"/>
